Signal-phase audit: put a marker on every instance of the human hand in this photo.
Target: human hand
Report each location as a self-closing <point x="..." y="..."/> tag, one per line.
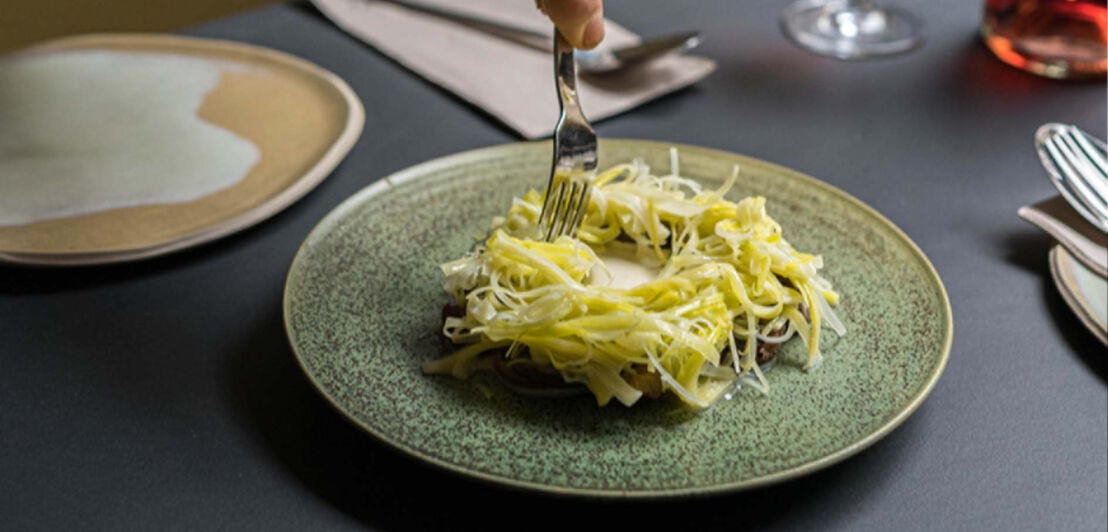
<point x="580" y="21"/>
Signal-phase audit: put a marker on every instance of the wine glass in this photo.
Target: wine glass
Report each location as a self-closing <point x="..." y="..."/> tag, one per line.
<point x="851" y="29"/>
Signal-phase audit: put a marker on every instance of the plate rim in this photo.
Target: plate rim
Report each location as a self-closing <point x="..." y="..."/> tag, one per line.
<point x="308" y="180"/>
<point x="1058" y="258"/>
<point x="806" y="468"/>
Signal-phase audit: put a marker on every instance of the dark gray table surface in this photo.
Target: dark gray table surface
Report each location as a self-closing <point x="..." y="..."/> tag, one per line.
<point x="163" y="395"/>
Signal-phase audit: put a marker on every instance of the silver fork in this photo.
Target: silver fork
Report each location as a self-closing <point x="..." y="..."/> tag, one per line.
<point x="574" y="167"/>
<point x="1076" y="162"/>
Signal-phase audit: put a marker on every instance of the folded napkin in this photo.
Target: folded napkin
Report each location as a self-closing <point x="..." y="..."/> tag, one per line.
<point x="1076" y="234"/>
<point x="512" y="82"/>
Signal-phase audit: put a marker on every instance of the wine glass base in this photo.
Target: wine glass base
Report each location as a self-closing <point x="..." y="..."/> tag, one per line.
<point x="841" y="29"/>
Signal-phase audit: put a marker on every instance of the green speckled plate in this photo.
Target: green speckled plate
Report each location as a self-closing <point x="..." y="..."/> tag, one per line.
<point x="362" y="311"/>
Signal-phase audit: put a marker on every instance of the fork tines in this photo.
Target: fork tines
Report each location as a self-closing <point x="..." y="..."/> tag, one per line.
<point x="565" y="205"/>
<point x="1077" y="165"/>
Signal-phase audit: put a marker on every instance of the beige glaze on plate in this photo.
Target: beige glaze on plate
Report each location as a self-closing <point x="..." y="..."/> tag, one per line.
<point x="302" y="119"/>
<point x="87" y="131"/>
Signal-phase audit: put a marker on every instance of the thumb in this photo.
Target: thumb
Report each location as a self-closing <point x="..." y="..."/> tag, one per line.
<point x="580" y="21"/>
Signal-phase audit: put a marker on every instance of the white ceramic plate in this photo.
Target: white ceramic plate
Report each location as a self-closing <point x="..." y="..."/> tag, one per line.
<point x="302" y="119"/>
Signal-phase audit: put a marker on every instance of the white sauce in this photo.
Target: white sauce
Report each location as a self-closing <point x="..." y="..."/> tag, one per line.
<point x="628" y="269"/>
<point x="88" y="131"/>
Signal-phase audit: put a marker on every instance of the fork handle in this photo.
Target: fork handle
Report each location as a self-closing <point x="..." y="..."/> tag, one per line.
<point x="565" y="78"/>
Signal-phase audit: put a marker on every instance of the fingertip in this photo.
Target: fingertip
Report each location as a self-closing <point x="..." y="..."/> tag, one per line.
<point x="580" y="21"/>
<point x="594" y="31"/>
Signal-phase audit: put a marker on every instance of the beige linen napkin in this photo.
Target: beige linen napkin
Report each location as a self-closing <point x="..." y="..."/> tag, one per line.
<point x="512" y="82"/>
<point x="1085" y="242"/>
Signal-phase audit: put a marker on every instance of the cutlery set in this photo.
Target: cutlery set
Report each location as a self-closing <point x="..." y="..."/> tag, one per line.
<point x="1075" y="161"/>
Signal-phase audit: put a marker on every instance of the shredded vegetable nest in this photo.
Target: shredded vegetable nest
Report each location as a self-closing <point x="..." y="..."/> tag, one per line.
<point x="728" y="284"/>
